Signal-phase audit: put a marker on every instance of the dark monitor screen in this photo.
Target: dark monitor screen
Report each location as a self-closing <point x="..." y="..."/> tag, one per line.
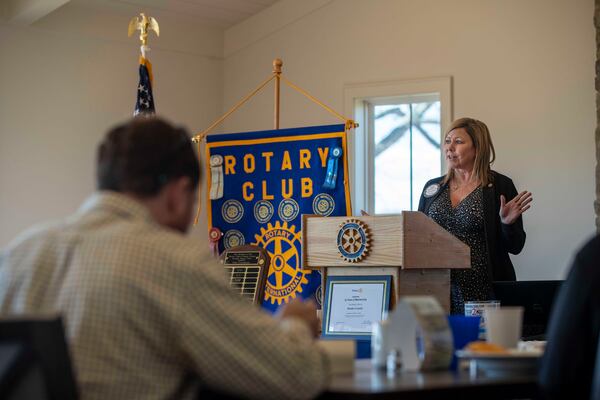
<point x="536" y="297"/>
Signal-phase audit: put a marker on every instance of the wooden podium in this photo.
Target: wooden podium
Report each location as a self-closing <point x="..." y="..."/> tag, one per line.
<point x="411" y="247"/>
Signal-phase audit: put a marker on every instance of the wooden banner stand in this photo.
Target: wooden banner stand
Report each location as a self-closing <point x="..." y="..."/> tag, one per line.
<point x="411" y="247"/>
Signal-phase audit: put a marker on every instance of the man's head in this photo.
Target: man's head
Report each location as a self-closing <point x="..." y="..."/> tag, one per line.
<point x="154" y="162"/>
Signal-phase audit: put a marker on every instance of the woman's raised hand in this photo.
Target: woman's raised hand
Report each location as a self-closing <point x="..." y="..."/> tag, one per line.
<point x="509" y="212"/>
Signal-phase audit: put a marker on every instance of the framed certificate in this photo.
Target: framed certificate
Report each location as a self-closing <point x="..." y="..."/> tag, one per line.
<point x="353" y="303"/>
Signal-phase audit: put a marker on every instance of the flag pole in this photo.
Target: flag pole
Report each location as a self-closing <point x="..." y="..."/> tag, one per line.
<point x="277" y="64"/>
<point x="145" y="98"/>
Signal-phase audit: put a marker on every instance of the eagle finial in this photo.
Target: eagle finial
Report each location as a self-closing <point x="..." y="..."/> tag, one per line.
<point x="144" y="24"/>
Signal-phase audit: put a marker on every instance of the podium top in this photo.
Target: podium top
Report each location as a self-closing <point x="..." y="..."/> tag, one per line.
<point x="409" y="240"/>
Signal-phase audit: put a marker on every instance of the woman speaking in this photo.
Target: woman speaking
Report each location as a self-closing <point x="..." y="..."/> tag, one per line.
<point x="480" y="207"/>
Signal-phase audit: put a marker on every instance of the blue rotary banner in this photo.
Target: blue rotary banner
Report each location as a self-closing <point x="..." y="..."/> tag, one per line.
<point x="260" y="184"/>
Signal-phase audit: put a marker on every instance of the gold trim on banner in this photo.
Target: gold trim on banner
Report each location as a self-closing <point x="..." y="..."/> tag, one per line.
<point x="199" y="199"/>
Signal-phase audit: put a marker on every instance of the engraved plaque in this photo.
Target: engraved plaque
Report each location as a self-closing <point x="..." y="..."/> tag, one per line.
<point x="247" y="268"/>
<point x="242" y="257"/>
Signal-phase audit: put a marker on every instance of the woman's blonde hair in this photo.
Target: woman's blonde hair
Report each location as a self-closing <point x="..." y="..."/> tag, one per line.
<point x="484" y="148"/>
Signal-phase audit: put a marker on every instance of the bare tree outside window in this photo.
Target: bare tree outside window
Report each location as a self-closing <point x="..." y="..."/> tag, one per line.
<point x="406" y="153"/>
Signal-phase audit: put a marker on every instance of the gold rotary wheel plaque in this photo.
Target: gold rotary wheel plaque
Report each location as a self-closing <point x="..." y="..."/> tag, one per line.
<point x="353" y="240"/>
<point x="286" y="276"/>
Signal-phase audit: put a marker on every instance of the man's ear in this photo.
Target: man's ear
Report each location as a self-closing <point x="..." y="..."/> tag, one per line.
<point x="177" y="192"/>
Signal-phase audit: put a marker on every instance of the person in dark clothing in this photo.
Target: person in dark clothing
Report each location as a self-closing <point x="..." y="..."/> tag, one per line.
<point x="571" y="365"/>
<point x="481" y="207"/>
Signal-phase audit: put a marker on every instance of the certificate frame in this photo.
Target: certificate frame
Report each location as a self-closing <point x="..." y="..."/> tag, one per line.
<point x="379" y="303"/>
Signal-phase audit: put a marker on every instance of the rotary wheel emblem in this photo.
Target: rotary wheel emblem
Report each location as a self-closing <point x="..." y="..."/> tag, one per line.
<point x="233" y="238"/>
<point x="232" y="211"/>
<point x="353" y="240"/>
<point x="285" y="277"/>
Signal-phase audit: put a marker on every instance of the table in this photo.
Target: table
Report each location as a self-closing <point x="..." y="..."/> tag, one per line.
<point x="367" y="382"/>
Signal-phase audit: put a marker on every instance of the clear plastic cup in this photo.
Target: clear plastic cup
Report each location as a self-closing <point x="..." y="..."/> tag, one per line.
<point x="476" y="308"/>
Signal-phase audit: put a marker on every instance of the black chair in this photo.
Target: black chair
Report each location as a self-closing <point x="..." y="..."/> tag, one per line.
<point x="34" y="360"/>
<point x="596" y="380"/>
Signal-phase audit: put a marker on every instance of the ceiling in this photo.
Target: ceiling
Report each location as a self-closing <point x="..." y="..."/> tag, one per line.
<point x="218" y="13"/>
<point x="224" y="13"/>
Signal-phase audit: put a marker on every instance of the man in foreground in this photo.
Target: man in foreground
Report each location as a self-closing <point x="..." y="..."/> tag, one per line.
<point x="570" y="367"/>
<point x="148" y="314"/>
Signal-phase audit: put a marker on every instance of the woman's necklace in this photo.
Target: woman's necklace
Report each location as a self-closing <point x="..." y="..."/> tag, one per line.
<point x="454" y="186"/>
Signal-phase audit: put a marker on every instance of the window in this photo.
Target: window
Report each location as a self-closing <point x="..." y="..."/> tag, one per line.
<point x="406" y="152"/>
<point x="396" y="148"/>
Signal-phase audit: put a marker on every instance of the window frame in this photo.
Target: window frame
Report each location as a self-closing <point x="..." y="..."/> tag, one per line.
<point x="359" y="100"/>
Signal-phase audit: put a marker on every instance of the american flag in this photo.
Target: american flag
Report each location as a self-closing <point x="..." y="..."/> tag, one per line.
<point x="145" y="99"/>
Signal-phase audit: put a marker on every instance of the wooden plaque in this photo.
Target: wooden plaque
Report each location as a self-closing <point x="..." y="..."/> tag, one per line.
<point x="247" y="267"/>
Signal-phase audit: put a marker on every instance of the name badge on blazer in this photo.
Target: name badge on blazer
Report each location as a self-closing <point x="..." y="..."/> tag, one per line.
<point x="431" y="190"/>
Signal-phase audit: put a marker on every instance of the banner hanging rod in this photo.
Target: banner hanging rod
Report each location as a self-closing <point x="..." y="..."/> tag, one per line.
<point x="278" y="77"/>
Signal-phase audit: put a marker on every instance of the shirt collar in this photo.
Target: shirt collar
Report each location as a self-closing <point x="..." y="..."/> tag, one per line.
<point x="117" y="203"/>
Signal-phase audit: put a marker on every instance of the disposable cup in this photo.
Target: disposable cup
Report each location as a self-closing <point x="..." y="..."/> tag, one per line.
<point x="380" y="339"/>
<point x="503" y="325"/>
<point x="475" y="308"/>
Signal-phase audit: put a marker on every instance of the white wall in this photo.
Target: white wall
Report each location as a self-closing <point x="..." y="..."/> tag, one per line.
<point x="68" y="78"/>
<point x="526" y="68"/>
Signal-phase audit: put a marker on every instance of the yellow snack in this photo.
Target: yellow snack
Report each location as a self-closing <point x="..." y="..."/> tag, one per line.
<point x="485" y="347"/>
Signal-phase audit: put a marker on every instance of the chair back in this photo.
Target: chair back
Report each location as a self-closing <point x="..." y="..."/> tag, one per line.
<point x="34" y="360"/>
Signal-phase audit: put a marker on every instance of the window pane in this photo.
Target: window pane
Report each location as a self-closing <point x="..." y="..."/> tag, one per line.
<point x="406" y="153"/>
<point x="392" y="158"/>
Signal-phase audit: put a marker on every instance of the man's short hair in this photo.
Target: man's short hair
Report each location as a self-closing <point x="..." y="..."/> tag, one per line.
<point x="143" y="155"/>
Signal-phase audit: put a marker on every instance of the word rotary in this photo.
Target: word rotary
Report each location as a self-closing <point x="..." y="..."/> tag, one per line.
<point x="266" y="161"/>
